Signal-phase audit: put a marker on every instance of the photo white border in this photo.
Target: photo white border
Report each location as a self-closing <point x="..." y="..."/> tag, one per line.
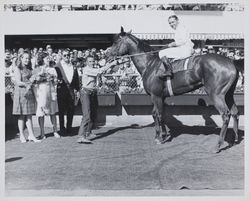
<point x="3" y="23"/>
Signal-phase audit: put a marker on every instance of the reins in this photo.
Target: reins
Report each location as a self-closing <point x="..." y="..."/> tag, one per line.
<point x="138" y="54"/>
<point x="133" y="55"/>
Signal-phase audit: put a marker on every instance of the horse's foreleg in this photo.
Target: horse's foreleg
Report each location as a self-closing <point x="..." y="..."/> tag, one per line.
<point x="165" y="132"/>
<point x="157" y="126"/>
<point x="157" y="115"/>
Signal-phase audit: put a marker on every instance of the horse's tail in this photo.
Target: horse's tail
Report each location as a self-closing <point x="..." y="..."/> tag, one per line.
<point x="239" y="64"/>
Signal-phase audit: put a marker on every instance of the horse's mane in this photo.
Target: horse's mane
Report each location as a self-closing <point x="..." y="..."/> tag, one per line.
<point x="153" y="60"/>
<point x="141" y="44"/>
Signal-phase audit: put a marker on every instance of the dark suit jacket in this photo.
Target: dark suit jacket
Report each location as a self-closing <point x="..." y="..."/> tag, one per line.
<point x="64" y="85"/>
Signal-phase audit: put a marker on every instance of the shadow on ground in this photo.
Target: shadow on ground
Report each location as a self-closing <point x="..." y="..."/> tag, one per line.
<point x="179" y="128"/>
<point x="13" y="159"/>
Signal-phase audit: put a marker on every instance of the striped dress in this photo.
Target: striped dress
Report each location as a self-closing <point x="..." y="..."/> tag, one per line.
<point x="21" y="104"/>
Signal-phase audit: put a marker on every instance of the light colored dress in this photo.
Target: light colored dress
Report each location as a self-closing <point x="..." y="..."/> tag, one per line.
<point x="184" y="45"/>
<point x="45" y="93"/>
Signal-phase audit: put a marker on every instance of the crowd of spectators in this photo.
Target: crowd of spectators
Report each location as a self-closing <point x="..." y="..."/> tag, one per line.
<point x="79" y="7"/>
<point x="232" y="53"/>
<point x="121" y="76"/>
<point x="117" y="76"/>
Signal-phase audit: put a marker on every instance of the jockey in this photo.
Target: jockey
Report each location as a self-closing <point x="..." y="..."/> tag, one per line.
<point x="181" y="48"/>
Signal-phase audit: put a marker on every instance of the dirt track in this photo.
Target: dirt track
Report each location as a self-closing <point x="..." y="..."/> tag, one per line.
<point x="126" y="159"/>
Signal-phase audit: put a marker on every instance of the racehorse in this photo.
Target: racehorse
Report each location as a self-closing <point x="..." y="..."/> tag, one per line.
<point x="216" y="73"/>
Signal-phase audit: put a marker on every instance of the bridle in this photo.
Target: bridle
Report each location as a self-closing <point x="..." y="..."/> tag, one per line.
<point x="133" y="55"/>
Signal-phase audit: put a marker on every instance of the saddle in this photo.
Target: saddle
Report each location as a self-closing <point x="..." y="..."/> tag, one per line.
<point x="181" y="64"/>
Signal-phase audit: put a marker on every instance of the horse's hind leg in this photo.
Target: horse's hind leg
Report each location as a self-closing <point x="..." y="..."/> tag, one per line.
<point x="235" y="115"/>
<point x="233" y="110"/>
<point x="221" y="106"/>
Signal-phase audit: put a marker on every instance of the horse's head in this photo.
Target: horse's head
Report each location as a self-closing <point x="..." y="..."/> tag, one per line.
<point x="120" y="45"/>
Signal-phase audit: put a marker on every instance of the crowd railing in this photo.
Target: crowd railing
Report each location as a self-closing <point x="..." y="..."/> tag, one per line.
<point x="118" y="83"/>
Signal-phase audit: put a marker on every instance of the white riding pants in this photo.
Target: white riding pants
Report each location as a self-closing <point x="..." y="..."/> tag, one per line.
<point x="180" y="52"/>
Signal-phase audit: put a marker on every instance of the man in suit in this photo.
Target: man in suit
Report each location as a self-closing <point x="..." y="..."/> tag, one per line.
<point x="67" y="87"/>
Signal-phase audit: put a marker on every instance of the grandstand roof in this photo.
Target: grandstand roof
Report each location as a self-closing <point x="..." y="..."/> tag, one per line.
<point x="153" y="25"/>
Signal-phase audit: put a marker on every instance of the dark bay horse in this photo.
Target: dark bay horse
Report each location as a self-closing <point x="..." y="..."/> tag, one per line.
<point x="216" y="73"/>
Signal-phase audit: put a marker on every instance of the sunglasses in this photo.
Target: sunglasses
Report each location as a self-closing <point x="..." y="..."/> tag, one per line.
<point x="66" y="55"/>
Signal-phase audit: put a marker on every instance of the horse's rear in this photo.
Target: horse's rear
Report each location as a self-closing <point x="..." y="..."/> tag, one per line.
<point x="219" y="76"/>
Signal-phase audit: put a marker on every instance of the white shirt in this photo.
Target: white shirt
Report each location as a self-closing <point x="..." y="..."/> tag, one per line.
<point x="90" y="74"/>
<point x="182" y="36"/>
<point x="68" y="69"/>
<point x="184" y="45"/>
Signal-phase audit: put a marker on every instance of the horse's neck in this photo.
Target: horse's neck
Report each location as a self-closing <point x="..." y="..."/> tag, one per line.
<point x="140" y="61"/>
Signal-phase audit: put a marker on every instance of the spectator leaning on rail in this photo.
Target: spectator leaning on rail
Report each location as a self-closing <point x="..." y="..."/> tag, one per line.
<point x="89" y="98"/>
<point x="182" y="47"/>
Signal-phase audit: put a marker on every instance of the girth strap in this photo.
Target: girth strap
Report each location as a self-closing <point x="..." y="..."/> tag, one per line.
<point x="170" y="90"/>
<point x="186" y="64"/>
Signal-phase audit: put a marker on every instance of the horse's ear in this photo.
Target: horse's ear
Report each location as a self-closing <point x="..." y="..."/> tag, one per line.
<point x="122" y="31"/>
<point x="130" y="31"/>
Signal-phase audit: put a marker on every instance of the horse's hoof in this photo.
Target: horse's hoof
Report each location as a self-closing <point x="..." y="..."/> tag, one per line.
<point x="158" y="141"/>
<point x="166" y="138"/>
<point x="216" y="150"/>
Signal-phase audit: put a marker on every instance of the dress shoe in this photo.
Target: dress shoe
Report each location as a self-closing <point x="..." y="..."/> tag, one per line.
<point x="33" y="139"/>
<point x="84" y="140"/>
<point x="92" y="135"/>
<point x="63" y="132"/>
<point x="42" y="137"/>
<point x="56" y="135"/>
<point x="22" y="139"/>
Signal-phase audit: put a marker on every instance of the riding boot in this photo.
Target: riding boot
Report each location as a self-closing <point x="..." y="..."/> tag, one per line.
<point x="166" y="70"/>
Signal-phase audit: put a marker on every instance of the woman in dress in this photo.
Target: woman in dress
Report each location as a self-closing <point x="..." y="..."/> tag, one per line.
<point x="45" y="93"/>
<point x="24" y="103"/>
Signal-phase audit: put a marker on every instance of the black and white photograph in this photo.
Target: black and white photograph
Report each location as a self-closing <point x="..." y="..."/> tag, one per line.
<point x="124" y="99"/>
